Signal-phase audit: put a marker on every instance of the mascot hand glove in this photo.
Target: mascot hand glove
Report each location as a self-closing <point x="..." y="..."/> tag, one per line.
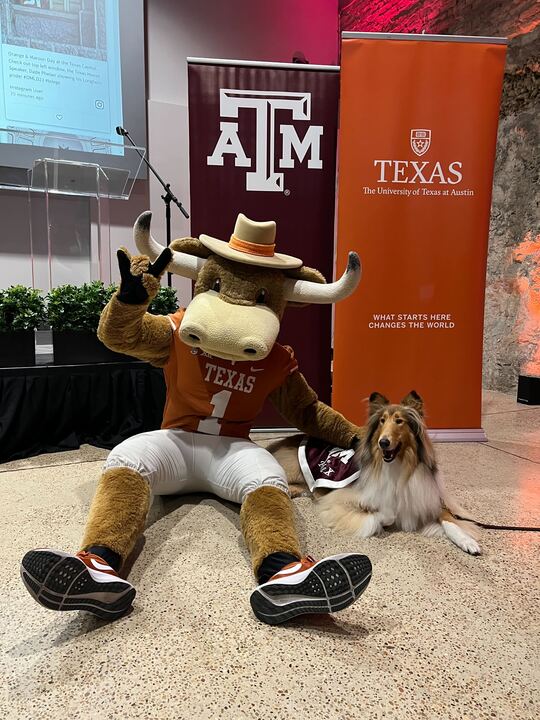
<point x="139" y="278"/>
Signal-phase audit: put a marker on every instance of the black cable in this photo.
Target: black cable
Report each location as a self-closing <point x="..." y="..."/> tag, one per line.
<point x="498" y="527"/>
<point x="509" y="527"/>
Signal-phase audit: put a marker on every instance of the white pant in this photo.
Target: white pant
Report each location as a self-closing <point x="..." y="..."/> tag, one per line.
<point x="178" y="462"/>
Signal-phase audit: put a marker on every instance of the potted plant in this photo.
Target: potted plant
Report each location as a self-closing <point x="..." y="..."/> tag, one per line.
<point x="74" y="312"/>
<point x="165" y="302"/>
<point x="22" y="310"/>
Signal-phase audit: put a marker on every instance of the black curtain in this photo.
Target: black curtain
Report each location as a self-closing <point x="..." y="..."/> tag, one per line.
<point x="53" y="408"/>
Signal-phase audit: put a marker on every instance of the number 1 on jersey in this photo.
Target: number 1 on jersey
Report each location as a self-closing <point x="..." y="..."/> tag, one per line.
<point x="219" y="402"/>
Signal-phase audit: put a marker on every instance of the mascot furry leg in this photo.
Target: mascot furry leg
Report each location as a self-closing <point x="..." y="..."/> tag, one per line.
<point x="221" y="361"/>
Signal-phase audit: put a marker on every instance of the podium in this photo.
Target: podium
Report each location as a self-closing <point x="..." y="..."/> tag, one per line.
<point x="70" y="183"/>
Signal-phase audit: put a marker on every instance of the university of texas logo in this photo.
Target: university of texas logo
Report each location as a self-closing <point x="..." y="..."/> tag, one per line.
<point x="264" y="175"/>
<point x="423" y="172"/>
<point x="420" y="141"/>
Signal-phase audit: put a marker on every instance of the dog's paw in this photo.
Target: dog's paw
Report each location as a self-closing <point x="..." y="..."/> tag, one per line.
<point x="460" y="538"/>
<point x="361" y="534"/>
<point x="370" y="526"/>
<point x="471" y="546"/>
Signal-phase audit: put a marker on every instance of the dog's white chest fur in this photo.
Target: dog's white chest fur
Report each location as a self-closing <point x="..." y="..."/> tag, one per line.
<point x="407" y="503"/>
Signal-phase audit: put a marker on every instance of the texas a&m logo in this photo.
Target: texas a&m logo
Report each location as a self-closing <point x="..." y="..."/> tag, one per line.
<point x="330" y="464"/>
<point x="264" y="175"/>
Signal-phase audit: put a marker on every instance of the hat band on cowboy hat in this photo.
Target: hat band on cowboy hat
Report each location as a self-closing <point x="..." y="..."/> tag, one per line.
<point x="252" y="243"/>
<point x="251" y="247"/>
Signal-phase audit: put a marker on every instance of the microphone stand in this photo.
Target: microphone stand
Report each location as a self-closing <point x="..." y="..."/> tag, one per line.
<point x="167" y="198"/>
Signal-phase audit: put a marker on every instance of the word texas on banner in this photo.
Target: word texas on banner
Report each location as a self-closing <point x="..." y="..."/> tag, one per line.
<point x="417" y="145"/>
<point x="262" y="142"/>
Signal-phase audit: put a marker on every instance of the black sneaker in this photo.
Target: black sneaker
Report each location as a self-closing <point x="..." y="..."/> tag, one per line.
<point x="307" y="586"/>
<point x="60" y="581"/>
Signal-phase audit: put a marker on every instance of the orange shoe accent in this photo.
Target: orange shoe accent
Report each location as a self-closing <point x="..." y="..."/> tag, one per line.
<point x="295" y="567"/>
<point x="95" y="562"/>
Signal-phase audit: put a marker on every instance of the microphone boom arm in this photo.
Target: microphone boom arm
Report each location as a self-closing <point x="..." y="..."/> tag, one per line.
<point x="169" y="196"/>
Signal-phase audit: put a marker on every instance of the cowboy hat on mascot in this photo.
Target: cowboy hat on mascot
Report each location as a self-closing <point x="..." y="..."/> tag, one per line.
<point x="221" y="361"/>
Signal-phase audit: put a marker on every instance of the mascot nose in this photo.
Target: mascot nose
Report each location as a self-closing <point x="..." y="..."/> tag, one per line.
<point x="192" y="334"/>
<point x="253" y="346"/>
<point x="384" y="443"/>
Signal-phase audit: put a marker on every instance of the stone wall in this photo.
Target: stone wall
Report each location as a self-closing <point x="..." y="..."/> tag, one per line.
<point x="505" y="18"/>
<point x="512" y="309"/>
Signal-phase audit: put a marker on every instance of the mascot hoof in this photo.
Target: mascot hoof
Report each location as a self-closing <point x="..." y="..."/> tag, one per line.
<point x="60" y="581"/>
<point x="307" y="587"/>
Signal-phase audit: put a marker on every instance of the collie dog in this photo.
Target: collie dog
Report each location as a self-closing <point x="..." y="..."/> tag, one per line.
<point x="397" y="485"/>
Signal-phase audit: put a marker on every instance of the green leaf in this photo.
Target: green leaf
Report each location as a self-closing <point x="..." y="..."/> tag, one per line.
<point x="78" y="308"/>
<point x="165" y="302"/>
<point x="21" y="308"/>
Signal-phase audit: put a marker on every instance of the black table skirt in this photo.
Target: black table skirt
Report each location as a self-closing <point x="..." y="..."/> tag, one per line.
<point x="52" y="408"/>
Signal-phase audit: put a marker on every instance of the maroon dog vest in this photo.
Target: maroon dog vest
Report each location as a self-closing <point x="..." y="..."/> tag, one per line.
<point x="326" y="466"/>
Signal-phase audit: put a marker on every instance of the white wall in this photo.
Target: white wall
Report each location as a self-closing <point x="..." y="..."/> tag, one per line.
<point x="269" y="30"/>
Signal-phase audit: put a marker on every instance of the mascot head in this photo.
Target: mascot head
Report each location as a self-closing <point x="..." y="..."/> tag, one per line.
<point x="242" y="287"/>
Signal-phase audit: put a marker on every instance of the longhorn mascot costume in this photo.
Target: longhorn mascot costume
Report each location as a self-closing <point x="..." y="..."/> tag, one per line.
<point x="221" y="361"/>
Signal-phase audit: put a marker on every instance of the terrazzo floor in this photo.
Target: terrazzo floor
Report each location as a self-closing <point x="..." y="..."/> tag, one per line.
<point x="438" y="634"/>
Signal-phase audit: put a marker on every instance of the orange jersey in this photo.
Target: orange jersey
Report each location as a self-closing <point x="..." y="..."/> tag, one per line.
<point x="219" y="397"/>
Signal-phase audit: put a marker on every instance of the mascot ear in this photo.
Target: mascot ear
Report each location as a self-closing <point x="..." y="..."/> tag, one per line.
<point x="376" y="402"/>
<point x="304" y="273"/>
<point x="414" y="401"/>
<point x="190" y="246"/>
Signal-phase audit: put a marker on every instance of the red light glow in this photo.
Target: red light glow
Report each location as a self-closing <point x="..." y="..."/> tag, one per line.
<point x="528" y="253"/>
<point x="406" y="16"/>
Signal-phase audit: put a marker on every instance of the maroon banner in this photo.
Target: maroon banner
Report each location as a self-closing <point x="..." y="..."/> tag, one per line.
<point x="263" y="142"/>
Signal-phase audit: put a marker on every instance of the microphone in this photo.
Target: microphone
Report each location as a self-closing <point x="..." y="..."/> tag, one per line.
<point x="120" y="130"/>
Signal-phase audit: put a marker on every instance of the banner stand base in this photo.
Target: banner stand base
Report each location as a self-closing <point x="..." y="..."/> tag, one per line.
<point x="458" y="435"/>
<point x="442" y="435"/>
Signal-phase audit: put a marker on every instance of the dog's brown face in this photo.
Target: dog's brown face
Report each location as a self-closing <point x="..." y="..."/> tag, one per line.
<point x="396" y="431"/>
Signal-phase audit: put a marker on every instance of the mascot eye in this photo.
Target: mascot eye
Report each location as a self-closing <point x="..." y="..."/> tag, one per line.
<point x="217" y="285"/>
<point x="261" y="297"/>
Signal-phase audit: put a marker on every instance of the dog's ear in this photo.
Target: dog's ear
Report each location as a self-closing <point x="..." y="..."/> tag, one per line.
<point x="376" y="402"/>
<point x="414" y="400"/>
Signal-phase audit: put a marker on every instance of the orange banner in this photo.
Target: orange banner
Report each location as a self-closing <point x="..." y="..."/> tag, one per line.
<point x="418" y="132"/>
